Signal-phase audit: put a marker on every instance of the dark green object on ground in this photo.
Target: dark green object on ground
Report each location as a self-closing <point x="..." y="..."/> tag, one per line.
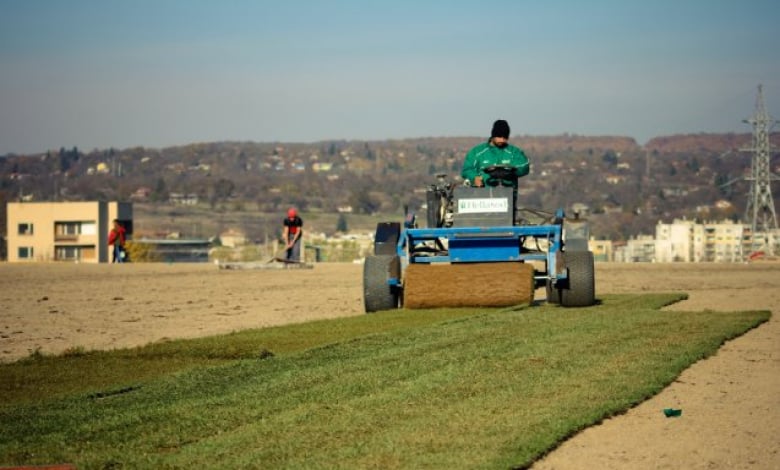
<point x="672" y="412"/>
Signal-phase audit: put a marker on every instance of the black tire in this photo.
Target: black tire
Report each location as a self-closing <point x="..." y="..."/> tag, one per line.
<point x="580" y="290"/>
<point x="377" y="293"/>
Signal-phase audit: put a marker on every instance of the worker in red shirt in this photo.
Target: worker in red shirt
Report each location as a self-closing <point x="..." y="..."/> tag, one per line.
<point x="291" y="234"/>
<point x="116" y="239"/>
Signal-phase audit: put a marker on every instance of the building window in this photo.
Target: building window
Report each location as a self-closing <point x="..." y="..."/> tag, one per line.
<point x="75" y="253"/>
<point x="88" y="228"/>
<point x="70" y="231"/>
<point x="67" y="228"/>
<point x="25" y="252"/>
<point x="67" y="253"/>
<point x="25" y="229"/>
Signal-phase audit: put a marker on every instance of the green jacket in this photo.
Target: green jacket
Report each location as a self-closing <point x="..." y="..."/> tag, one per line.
<point x="487" y="154"/>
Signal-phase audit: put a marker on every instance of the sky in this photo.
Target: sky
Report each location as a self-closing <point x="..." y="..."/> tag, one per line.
<point x="96" y="74"/>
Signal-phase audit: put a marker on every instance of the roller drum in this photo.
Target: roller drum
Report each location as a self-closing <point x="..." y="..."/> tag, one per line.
<point x="468" y="285"/>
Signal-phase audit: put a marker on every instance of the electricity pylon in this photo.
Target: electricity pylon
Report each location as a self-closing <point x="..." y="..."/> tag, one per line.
<point x="760" y="209"/>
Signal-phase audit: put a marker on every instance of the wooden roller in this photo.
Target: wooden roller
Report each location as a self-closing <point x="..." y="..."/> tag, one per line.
<point x="468" y="285"/>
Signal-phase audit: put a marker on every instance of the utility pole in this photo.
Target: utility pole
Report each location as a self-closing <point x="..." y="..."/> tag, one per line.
<point x="760" y="209"/>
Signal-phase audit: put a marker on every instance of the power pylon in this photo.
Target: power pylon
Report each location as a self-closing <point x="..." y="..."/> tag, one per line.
<point x="760" y="210"/>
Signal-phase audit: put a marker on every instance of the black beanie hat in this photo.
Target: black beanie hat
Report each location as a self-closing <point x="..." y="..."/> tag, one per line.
<point x="500" y="129"/>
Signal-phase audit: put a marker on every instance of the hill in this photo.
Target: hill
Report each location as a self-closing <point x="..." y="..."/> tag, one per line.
<point x="623" y="187"/>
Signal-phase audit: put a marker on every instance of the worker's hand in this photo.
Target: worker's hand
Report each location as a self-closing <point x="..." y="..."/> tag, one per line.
<point x="478" y="181"/>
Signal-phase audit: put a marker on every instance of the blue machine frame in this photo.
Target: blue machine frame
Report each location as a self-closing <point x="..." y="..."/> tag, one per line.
<point x="486" y="245"/>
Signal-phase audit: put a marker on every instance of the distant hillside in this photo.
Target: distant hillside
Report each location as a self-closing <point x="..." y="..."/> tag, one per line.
<point x="624" y="188"/>
<point x="575" y="143"/>
<point x="704" y="142"/>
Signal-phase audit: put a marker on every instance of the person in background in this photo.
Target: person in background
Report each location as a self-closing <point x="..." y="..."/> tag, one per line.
<point x="497" y="151"/>
<point x="292" y="232"/>
<point x="116" y="239"/>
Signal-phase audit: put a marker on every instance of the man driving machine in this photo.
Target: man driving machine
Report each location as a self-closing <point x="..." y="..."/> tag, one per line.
<point x="496" y="152"/>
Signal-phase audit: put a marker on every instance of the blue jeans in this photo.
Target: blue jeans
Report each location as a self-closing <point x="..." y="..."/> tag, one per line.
<point x="294" y="253"/>
<point x="118" y="251"/>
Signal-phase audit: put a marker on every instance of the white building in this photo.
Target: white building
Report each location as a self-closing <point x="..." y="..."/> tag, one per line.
<point x="637" y="249"/>
<point x="725" y="242"/>
<point x="676" y="242"/>
<point x="687" y="241"/>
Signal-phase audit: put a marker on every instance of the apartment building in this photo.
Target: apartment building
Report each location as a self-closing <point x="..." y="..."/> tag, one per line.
<point x="64" y="231"/>
<point x="720" y="242"/>
<point x="726" y="241"/>
<point x="679" y="241"/>
<point x="637" y="249"/>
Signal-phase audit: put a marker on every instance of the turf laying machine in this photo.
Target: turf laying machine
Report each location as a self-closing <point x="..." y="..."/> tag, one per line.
<point x="479" y="249"/>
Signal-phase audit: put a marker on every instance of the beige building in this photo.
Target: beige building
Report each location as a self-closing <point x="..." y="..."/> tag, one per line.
<point x="64" y="231"/>
<point x="602" y="249"/>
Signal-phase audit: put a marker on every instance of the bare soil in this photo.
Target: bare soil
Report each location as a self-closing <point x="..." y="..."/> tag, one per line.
<point x="730" y="401"/>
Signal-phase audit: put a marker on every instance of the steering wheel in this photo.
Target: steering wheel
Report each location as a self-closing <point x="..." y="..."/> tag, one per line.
<point x="501" y="172"/>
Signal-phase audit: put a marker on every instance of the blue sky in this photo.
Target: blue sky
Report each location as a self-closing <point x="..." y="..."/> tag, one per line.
<point x="99" y="74"/>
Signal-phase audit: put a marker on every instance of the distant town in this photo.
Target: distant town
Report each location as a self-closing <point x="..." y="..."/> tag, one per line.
<point x="679" y="198"/>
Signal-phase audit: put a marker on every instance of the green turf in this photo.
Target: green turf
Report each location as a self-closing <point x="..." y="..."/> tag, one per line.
<point x="448" y="389"/>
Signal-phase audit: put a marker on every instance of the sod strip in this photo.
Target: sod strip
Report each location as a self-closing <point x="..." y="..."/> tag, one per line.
<point x="493" y="390"/>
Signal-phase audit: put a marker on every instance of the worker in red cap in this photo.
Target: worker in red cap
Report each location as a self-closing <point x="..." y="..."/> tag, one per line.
<point x="293" y="230"/>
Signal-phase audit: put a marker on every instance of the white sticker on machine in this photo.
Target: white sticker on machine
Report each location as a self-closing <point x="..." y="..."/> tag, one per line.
<point x="483" y="206"/>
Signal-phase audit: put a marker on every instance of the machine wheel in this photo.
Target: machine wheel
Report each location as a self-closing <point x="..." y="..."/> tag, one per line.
<point x="580" y="289"/>
<point x="377" y="293"/>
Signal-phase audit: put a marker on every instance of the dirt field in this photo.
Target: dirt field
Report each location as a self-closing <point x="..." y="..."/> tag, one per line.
<point x="730" y="402"/>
